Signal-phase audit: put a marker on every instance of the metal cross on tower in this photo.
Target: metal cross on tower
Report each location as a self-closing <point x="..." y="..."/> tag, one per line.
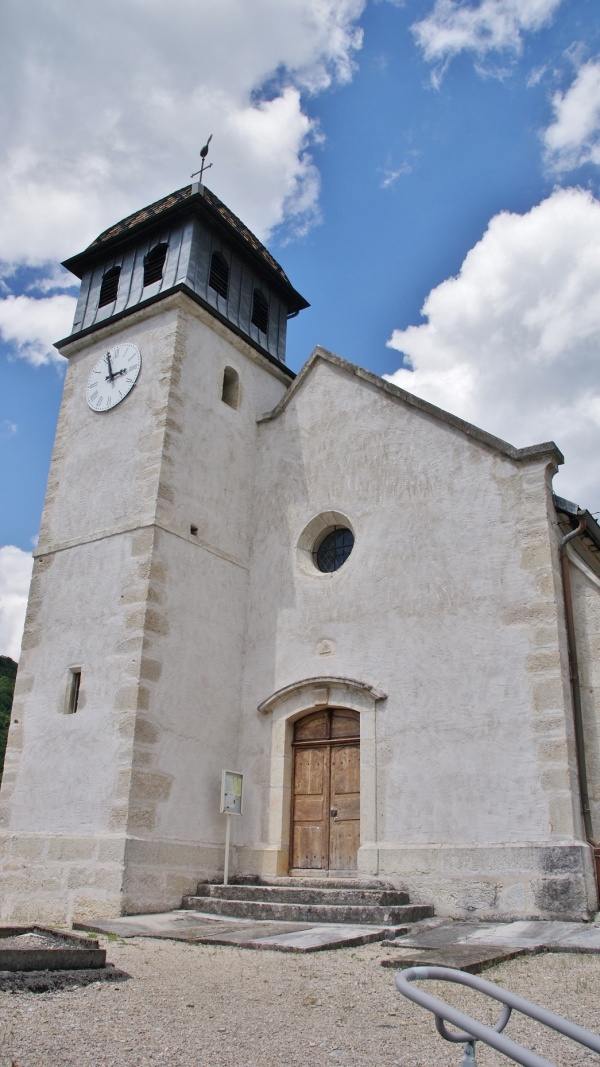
<point x="204" y="165"/>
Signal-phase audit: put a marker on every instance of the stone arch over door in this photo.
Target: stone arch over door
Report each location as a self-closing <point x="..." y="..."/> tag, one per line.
<point x="294" y="702"/>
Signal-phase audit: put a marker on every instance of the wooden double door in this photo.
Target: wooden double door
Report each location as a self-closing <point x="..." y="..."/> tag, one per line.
<point x="326" y="791"/>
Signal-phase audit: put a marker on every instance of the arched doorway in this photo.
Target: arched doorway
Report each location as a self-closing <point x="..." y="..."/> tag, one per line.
<point x="325" y="830"/>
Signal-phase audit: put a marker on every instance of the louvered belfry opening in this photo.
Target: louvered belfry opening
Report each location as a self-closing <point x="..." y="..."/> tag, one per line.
<point x="219" y="274"/>
<point x="109" y="287"/>
<point x="188" y="242"/>
<point x="154" y="262"/>
<point x="260" y="311"/>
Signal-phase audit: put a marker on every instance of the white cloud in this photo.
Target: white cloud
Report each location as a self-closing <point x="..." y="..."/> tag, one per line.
<point x="106" y="110"/>
<point x="55" y="279"/>
<point x="536" y="75"/>
<point x="15" y="576"/>
<point x="511" y="344"/>
<point x="491" y="25"/>
<point x="30" y="326"/>
<point x="390" y="174"/>
<point x="574" y="136"/>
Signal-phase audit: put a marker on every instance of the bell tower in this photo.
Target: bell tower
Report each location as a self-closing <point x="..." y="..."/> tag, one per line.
<point x="128" y="693"/>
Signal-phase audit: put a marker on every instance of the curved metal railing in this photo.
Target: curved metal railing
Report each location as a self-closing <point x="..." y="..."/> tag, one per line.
<point x="472" y="1030"/>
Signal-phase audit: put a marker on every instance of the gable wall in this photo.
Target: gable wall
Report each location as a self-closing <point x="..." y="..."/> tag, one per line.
<point x="448" y="604"/>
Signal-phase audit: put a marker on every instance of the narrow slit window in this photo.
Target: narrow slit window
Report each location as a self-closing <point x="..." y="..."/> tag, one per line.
<point x="260" y="311"/>
<point x="109" y="287"/>
<point x="231" y="387"/>
<point x="154" y="262"/>
<point x="219" y="274"/>
<point x="73" y="693"/>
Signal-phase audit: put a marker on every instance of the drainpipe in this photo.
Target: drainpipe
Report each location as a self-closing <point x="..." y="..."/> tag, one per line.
<point x="575" y="686"/>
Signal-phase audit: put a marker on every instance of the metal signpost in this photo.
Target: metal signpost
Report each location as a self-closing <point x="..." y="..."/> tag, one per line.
<point x="232" y="784"/>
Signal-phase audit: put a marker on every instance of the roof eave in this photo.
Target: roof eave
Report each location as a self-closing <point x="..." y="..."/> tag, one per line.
<point x="194" y="204"/>
<point x="159" y="297"/>
<point x="547" y="449"/>
<point x="575" y="513"/>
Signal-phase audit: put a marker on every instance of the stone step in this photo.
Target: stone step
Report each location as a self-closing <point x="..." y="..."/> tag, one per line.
<point x="293" y="893"/>
<point x="314" y="881"/>
<point x="367" y="914"/>
<point x="310" y="880"/>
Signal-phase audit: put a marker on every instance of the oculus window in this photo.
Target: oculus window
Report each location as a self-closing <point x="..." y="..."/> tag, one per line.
<point x="332" y="551"/>
<point x="325" y="544"/>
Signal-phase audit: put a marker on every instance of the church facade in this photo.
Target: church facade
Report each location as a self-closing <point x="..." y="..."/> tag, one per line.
<point x="376" y="612"/>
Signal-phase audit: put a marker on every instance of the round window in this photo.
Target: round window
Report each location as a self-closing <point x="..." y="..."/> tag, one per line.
<point x="333" y="550"/>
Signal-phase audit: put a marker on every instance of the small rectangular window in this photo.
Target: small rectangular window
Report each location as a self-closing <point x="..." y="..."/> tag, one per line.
<point x="74" y="687"/>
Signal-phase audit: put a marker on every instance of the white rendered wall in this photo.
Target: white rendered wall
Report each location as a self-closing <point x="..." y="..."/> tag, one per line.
<point x="116" y="807"/>
<point x="193" y="656"/>
<point x="168" y="570"/>
<point x="449" y="604"/>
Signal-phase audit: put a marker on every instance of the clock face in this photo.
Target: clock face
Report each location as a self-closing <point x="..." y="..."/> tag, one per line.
<point x="113" y="377"/>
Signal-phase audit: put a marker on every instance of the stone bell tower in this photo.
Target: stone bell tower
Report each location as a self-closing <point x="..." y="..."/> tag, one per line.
<point x="128" y="693"/>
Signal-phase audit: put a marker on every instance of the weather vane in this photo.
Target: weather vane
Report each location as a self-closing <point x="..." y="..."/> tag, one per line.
<point x="204" y="166"/>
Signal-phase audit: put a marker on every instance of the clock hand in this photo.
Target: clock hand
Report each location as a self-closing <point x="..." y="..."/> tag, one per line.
<point x="110" y="370"/>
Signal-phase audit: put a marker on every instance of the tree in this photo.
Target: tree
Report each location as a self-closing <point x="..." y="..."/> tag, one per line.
<point x="8" y="673"/>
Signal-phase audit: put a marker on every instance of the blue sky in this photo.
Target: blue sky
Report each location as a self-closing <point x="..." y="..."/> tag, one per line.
<point x="426" y="172"/>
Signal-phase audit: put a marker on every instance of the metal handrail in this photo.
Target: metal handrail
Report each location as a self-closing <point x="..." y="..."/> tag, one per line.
<point x="474" y="1031"/>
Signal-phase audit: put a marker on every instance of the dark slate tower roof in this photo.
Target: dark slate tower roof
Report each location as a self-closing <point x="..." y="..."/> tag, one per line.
<point x="193" y="225"/>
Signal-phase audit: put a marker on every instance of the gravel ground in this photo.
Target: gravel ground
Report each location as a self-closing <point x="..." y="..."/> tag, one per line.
<point x="229" y="1007"/>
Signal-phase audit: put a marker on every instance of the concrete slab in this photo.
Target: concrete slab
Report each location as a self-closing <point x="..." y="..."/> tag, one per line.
<point x="445" y="944"/>
<point x="184" y="925"/>
<point x="435" y="936"/>
<point x="474" y="946"/>
<point x="175" y="925"/>
<point x="523" y="934"/>
<point x="535" y="932"/>
<point x="317" y="938"/>
<point x="585" y="939"/>
<point x="465" y="957"/>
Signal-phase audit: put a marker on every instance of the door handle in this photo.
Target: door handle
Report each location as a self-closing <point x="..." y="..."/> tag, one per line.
<point x="333" y="812"/>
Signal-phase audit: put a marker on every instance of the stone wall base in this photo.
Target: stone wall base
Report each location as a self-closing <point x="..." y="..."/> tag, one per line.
<point x="60" y="879"/>
<point x="261" y="862"/>
<point x="542" y="880"/>
<point x="159" y="873"/>
<point x="57" y="879"/>
<point x="506" y="881"/>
